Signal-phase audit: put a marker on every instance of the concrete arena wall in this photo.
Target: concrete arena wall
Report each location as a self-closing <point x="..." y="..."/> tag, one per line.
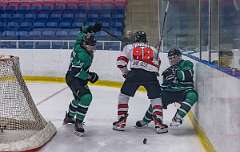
<point x="217" y="110"/>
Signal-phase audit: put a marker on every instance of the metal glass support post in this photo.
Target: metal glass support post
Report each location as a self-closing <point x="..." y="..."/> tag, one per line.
<point x="209" y="30"/>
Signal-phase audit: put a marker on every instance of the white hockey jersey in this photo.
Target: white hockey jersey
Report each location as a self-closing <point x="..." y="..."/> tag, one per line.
<point x="140" y="56"/>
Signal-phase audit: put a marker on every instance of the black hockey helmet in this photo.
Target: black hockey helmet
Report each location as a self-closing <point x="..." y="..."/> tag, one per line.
<point x="90" y="40"/>
<point x="174" y="51"/>
<point x="140" y="36"/>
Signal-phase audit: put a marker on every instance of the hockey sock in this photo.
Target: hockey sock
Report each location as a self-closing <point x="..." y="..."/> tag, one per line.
<point x="72" y="108"/>
<point x="186" y="105"/>
<point x="148" y="115"/>
<point x="157" y="108"/>
<point x="122" y="105"/>
<point x="82" y="107"/>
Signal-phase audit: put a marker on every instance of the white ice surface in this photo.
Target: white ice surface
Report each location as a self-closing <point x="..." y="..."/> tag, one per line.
<point x="52" y="101"/>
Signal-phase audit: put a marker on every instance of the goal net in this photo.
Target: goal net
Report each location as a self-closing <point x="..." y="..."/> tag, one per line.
<point x="21" y="125"/>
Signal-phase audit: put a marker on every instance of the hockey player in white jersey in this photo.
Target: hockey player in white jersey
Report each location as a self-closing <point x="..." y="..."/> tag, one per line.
<point x="144" y="67"/>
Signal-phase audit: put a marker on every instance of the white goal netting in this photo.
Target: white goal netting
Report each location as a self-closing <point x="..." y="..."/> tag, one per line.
<point x="21" y="125"/>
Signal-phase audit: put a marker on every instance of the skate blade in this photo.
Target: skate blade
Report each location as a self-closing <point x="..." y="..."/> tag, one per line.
<point x="80" y="134"/>
<point x="118" y="129"/>
<point x="64" y="124"/>
<point x="145" y="126"/>
<point x="175" y="126"/>
<point x="162" y="131"/>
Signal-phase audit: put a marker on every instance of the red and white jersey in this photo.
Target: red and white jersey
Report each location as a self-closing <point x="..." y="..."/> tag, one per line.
<point x="140" y="56"/>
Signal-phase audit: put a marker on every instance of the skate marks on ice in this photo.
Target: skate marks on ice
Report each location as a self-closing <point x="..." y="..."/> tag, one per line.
<point x="102" y="138"/>
<point x="99" y="135"/>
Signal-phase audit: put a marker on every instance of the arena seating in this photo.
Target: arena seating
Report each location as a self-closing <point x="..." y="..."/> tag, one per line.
<point x="58" y="19"/>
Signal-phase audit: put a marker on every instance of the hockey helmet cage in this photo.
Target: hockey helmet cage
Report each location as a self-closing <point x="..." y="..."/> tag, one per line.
<point x="140" y="36"/>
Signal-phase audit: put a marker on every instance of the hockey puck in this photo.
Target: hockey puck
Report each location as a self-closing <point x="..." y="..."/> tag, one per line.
<point x="145" y="141"/>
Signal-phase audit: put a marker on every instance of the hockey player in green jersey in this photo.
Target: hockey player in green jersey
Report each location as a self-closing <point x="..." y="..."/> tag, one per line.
<point x="177" y="86"/>
<point x="78" y="75"/>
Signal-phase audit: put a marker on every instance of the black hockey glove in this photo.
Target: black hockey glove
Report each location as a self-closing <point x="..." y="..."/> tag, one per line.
<point x="95" y="28"/>
<point x="93" y="77"/>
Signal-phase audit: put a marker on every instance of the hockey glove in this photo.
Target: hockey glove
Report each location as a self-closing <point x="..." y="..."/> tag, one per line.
<point x="95" y="28"/>
<point x="93" y="77"/>
<point x="169" y="74"/>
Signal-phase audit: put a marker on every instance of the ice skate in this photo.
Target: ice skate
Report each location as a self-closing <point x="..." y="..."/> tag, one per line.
<point x="120" y="124"/>
<point x="159" y="126"/>
<point x="141" y="124"/>
<point x="68" y="119"/>
<point x="79" y="130"/>
<point x="176" y="122"/>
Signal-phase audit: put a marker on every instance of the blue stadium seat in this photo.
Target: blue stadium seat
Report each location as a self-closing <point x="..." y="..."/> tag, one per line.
<point x="26" y="26"/>
<point x="52" y="24"/>
<point x="10" y="35"/>
<point x="12" y="25"/>
<point x="24" y="17"/>
<point x="73" y="33"/>
<point x="105" y="15"/>
<point x="92" y="15"/>
<point x="47" y="34"/>
<point x="67" y="17"/>
<point x="91" y="20"/>
<point x="81" y="15"/>
<point x="55" y="15"/>
<point x="118" y="15"/>
<point x="62" y="34"/>
<point x="39" y="24"/>
<point x="17" y="16"/>
<point x="101" y="35"/>
<point x="65" y="24"/>
<point x="3" y="25"/>
<point x="77" y="24"/>
<point x="36" y="35"/>
<point x="42" y="16"/>
<point x="5" y="17"/>
<point x="117" y="24"/>
<point x="23" y="35"/>
<point x="30" y="17"/>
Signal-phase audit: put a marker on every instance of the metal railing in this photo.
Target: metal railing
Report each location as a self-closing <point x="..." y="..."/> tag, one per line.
<point x="55" y="44"/>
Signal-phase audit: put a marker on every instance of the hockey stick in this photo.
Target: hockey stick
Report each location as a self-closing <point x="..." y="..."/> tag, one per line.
<point x="163" y="25"/>
<point x="114" y="36"/>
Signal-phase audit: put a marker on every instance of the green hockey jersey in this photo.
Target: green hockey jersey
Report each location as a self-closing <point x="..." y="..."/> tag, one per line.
<point x="81" y="59"/>
<point x="178" y="77"/>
